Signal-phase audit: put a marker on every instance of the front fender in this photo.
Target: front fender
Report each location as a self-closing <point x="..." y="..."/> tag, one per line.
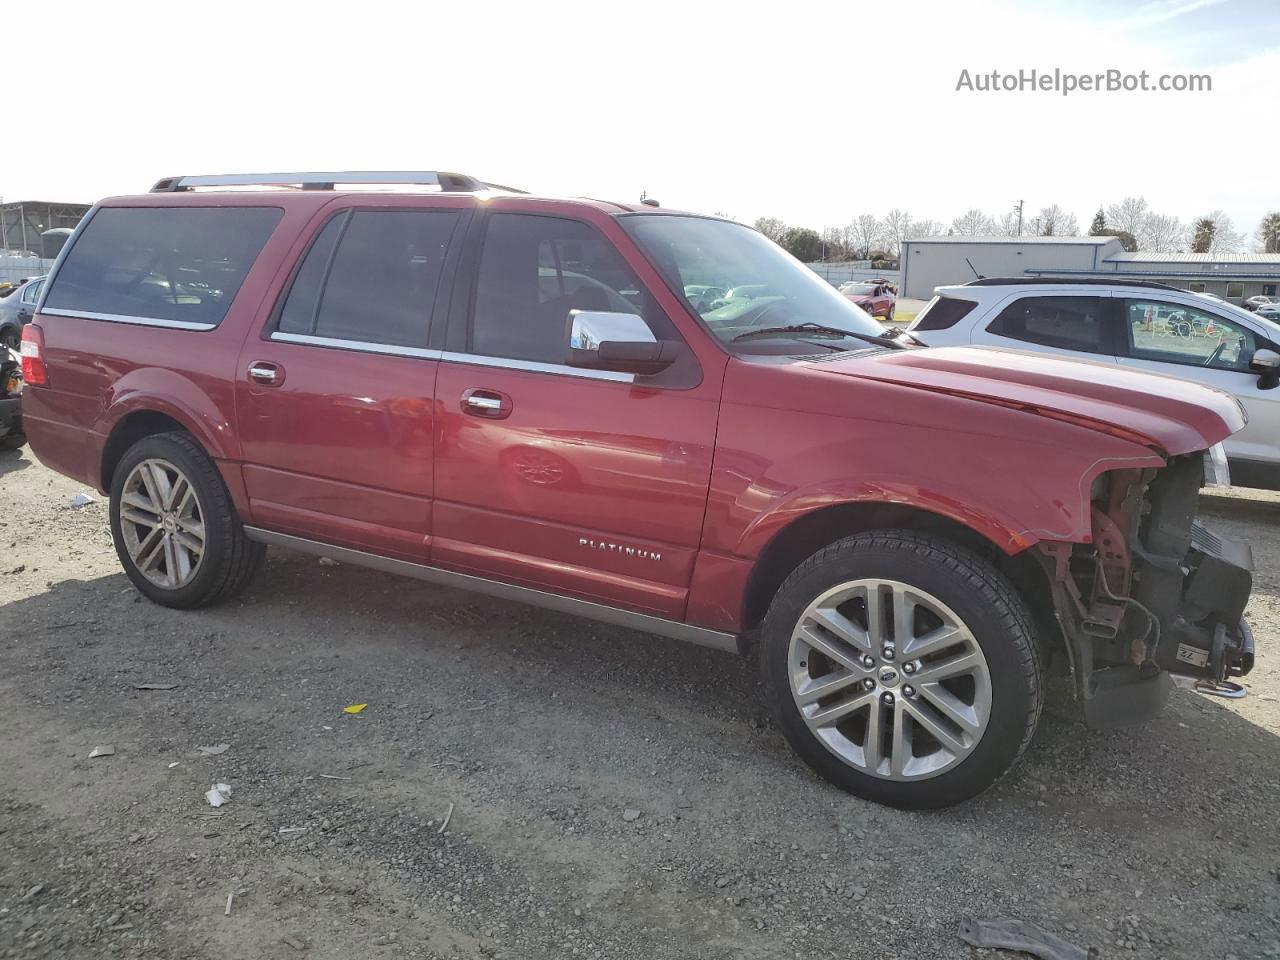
<point x="1012" y="476"/>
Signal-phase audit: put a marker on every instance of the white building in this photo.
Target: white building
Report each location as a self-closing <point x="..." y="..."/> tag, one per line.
<point x="934" y="261"/>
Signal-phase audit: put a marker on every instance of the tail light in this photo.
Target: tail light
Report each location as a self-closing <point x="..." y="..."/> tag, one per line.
<point x="34" y="373"/>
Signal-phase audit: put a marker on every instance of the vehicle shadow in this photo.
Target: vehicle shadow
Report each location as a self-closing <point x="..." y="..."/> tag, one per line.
<point x="517" y="715"/>
<point x="388" y="633"/>
<point x="12" y="461"/>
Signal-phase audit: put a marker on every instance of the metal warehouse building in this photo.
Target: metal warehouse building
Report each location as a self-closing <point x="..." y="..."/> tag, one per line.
<point x="23" y="224"/>
<point x="935" y="261"/>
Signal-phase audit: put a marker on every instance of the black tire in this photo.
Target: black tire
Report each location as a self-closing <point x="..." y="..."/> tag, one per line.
<point x="10" y="337"/>
<point x="985" y="602"/>
<point x="890" y="315"/>
<point x="12" y="441"/>
<point x="230" y="559"/>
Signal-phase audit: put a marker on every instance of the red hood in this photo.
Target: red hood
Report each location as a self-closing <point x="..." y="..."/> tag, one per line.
<point x="1173" y="415"/>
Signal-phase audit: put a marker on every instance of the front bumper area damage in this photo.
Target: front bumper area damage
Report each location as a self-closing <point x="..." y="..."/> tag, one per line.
<point x="1155" y="593"/>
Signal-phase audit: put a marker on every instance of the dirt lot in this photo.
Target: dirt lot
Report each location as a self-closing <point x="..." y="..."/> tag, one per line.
<point x="545" y="736"/>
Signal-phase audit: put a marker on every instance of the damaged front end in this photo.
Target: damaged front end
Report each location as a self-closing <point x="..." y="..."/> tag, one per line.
<point x="1154" y="593"/>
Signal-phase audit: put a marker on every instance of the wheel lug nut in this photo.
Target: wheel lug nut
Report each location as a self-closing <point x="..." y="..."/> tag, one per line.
<point x="888" y="652"/>
<point x="886" y="699"/>
<point x="868" y="684"/>
<point x="868" y="661"/>
<point x="908" y="668"/>
<point x="908" y="691"/>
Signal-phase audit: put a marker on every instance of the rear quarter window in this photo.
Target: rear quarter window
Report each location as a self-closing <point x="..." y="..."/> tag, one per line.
<point x="943" y="313"/>
<point x="180" y="265"/>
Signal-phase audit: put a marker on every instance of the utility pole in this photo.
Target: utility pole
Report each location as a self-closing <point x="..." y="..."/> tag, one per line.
<point x="1020" y="218"/>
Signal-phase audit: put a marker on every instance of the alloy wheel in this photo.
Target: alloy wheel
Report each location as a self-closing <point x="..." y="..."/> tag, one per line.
<point x="889" y="679"/>
<point x="162" y="523"/>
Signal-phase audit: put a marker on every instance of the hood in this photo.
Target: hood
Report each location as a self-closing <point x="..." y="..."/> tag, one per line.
<point x="1174" y="416"/>
<point x="858" y="298"/>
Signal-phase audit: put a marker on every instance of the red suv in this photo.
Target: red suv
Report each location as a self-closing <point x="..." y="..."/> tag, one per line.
<point x="518" y="395"/>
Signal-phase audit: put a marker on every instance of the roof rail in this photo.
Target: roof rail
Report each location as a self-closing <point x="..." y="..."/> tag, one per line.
<point x="447" y="182"/>
<point x="1061" y="281"/>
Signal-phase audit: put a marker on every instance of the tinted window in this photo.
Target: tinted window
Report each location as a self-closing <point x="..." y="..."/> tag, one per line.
<point x="1172" y="333"/>
<point x="533" y="271"/>
<point x="942" y="313"/>
<point x="299" y="313"/>
<point x="31" y="292"/>
<point x="172" y="263"/>
<point x="1071" y="323"/>
<point x="371" y="276"/>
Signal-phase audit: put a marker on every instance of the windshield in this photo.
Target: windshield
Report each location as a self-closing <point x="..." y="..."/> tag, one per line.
<point x="748" y="291"/>
<point x="858" y="289"/>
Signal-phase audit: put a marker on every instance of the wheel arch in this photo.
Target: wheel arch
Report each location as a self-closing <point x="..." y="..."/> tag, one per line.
<point x="131" y="428"/>
<point x="810" y="532"/>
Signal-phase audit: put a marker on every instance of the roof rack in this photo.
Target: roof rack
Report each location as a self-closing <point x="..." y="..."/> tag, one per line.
<point x="447" y="182"/>
<point x="1060" y="281"/>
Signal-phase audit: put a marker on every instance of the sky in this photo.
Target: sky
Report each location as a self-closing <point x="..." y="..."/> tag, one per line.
<point x="812" y="112"/>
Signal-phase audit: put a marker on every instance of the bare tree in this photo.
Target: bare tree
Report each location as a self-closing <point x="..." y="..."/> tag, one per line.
<point x="863" y="233"/>
<point x="834" y="246"/>
<point x="896" y="227"/>
<point x="1162" y="233"/>
<point x="772" y="227"/>
<point x="973" y="223"/>
<point x="1008" y="225"/>
<point x="1053" y="221"/>
<point x="1129" y="215"/>
<point x="926" y="228"/>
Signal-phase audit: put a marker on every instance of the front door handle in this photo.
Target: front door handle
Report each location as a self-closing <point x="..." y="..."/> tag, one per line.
<point x="489" y="404"/>
<point x="265" y="373"/>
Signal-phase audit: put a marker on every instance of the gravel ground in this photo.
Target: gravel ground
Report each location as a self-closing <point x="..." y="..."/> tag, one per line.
<point x="612" y="795"/>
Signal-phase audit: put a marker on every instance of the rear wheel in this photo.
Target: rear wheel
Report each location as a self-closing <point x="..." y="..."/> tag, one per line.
<point x="174" y="526"/>
<point x="903" y="669"/>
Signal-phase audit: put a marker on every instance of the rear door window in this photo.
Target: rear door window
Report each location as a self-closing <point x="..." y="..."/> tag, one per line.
<point x="1068" y="323"/>
<point x="371" y="276"/>
<point x="172" y="265"/>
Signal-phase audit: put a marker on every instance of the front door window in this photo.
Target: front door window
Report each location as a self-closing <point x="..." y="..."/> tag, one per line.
<point x="1173" y="333"/>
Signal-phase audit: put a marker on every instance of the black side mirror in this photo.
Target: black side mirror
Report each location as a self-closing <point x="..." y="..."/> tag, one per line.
<point x="1266" y="363"/>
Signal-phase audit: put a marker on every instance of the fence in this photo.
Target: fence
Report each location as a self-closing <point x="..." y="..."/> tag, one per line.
<point x="838" y="272"/>
<point x="13" y="269"/>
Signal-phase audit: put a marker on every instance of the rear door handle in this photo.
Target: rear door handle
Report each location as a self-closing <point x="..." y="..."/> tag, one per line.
<point x="268" y="374"/>
<point x="489" y="404"/>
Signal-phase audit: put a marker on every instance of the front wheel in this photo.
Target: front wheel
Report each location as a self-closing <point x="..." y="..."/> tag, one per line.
<point x="10" y="337"/>
<point x="174" y="526"/>
<point x="903" y="669"/>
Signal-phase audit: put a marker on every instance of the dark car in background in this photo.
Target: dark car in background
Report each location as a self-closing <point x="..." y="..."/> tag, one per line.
<point x="17" y="309"/>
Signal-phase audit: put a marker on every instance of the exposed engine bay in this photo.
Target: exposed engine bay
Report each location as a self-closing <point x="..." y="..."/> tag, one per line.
<point x="1154" y="593"/>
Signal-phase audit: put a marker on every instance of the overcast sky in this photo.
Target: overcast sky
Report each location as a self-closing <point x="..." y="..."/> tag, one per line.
<point x="813" y="111"/>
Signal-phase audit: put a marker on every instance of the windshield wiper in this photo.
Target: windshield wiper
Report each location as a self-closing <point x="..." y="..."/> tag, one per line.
<point x="818" y="328"/>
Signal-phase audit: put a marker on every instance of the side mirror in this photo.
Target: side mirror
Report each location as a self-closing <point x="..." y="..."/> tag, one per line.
<point x="600" y="340"/>
<point x="1267" y="365"/>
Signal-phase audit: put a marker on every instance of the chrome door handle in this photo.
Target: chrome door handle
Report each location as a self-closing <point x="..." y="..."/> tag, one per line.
<point x="267" y="373"/>
<point x="484" y="403"/>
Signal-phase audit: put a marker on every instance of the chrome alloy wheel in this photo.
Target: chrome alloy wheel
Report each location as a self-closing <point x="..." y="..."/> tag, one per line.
<point x="889" y="679"/>
<point x="162" y="523"/>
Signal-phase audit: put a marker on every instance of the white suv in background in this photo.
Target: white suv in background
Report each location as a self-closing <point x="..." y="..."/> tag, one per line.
<point x="1141" y="324"/>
